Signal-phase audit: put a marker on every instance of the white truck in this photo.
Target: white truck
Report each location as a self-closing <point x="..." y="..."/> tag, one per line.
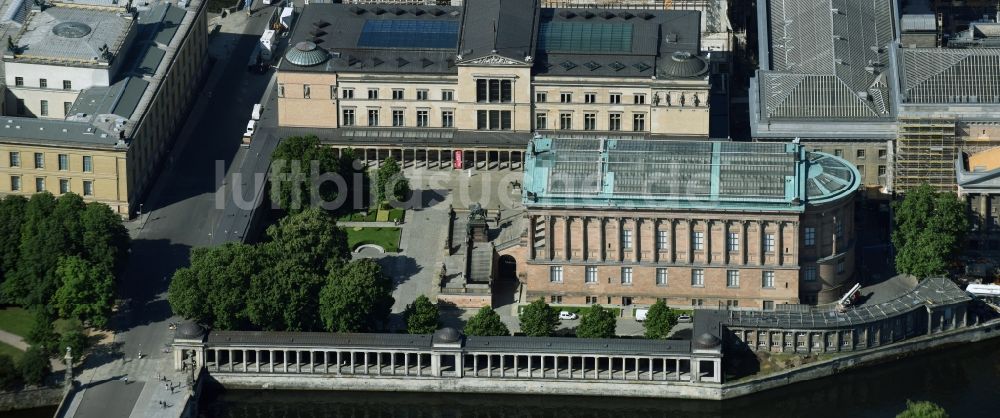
<point x="286" y="18"/>
<point x="266" y="46"/>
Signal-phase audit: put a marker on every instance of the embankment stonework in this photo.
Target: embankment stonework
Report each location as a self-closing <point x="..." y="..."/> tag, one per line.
<point x="30" y="398"/>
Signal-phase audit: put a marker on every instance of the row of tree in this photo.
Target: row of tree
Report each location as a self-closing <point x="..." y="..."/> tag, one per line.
<point x="61" y="255"/>
<point x="930" y="231"/>
<point x="301" y="279"/>
<point x="301" y="169"/>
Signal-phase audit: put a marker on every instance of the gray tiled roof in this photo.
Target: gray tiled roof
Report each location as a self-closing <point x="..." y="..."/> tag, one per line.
<point x="576" y="345"/>
<point x="319" y="339"/>
<point x="825" y="59"/>
<point x="514" y="20"/>
<point x="949" y="75"/>
<point x="85" y="32"/>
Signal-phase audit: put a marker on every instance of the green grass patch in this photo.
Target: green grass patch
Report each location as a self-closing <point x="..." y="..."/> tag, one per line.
<point x="382" y="216"/>
<point x="11" y="351"/>
<point x="397" y="214"/>
<point x="16" y="321"/>
<point x="357" y="217"/>
<point x="387" y="238"/>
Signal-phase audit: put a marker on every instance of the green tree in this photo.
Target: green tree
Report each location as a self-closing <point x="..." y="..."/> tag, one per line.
<point x="486" y="323"/>
<point x="539" y="319"/>
<point x="292" y="166"/>
<point x="36" y="257"/>
<point x="42" y="334"/>
<point x="86" y="291"/>
<point x="283" y="297"/>
<point x="105" y="239"/>
<point x="35" y="366"/>
<point x="310" y="238"/>
<point x="660" y="320"/>
<point x="11" y="218"/>
<point x="597" y="322"/>
<point x="390" y="184"/>
<point x="9" y="374"/>
<point x="422" y="316"/>
<point x="930" y="227"/>
<point x="357" y="297"/>
<point x="214" y="289"/>
<point x="922" y="409"/>
<point x="74" y="337"/>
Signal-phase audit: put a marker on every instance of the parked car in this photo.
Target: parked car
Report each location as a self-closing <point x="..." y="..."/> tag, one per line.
<point x="640" y="314"/>
<point x="684" y="318"/>
<point x="567" y="315"/>
<point x="250" y="128"/>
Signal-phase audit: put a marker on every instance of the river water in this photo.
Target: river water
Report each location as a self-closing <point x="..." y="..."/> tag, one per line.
<point x="965" y="381"/>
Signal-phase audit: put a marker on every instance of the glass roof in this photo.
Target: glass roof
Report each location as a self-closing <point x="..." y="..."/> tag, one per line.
<point x="586" y="37"/>
<point x="423" y="34"/>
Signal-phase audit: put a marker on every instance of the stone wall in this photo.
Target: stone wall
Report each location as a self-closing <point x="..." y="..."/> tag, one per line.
<point x="30" y="398"/>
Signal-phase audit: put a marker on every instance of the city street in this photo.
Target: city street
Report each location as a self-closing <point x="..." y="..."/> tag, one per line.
<point x="178" y="215"/>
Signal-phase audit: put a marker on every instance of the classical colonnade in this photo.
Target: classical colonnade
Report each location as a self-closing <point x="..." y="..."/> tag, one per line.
<point x="441" y="158"/>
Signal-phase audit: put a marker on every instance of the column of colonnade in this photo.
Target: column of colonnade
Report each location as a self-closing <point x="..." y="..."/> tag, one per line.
<point x="373" y="156"/>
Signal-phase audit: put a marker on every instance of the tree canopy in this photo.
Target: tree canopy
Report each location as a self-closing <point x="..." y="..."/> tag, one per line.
<point x="296" y="164"/>
<point x="390" y="183"/>
<point x="422" y="316"/>
<point x="660" y="320"/>
<point x="356" y="298"/>
<point x="597" y="322"/>
<point x="34" y="366"/>
<point x="539" y="319"/>
<point x="922" y="409"/>
<point x="275" y="285"/>
<point x="486" y="323"/>
<point x="86" y="291"/>
<point x="930" y="227"/>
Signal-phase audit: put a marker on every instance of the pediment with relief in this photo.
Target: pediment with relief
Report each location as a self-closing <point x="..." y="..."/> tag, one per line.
<point x="493" y="60"/>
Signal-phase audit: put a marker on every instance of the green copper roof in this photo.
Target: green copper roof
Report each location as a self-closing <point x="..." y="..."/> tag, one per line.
<point x="648" y="174"/>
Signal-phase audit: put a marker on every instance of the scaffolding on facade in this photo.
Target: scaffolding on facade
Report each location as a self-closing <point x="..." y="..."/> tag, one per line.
<point x="926" y="149"/>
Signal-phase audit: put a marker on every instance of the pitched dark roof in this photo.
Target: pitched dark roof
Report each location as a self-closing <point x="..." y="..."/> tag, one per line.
<point x="514" y="22"/>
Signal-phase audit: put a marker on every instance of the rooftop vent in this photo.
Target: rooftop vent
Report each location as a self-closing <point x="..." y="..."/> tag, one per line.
<point x="317" y="40"/>
<point x="567" y="14"/>
<point x="351" y="60"/>
<point x="378" y="10"/>
<point x="617" y="66"/>
<point x="864" y="95"/>
<point x="592" y="65"/>
<point x="626" y="15"/>
<point x="871" y="70"/>
<point x="321" y="23"/>
<point x="400" y="62"/>
<point x="670" y="37"/>
<point x="376" y="61"/>
<point x="454" y="13"/>
<point x="587" y="15"/>
<point x="607" y="15"/>
<point x="641" y="66"/>
<point x="436" y="12"/>
<point x="424" y="62"/>
<point x="397" y="11"/>
<point x="317" y="33"/>
<point x="567" y="65"/>
<point x="356" y="10"/>
<point x="417" y="11"/>
<point x="646" y="15"/>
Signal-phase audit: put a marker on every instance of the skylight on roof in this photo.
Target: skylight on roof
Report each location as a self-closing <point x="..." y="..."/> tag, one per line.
<point x="423" y="34"/>
<point x="589" y="37"/>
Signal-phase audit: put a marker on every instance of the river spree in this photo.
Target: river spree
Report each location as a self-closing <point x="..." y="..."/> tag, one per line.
<point x="965" y="381"/>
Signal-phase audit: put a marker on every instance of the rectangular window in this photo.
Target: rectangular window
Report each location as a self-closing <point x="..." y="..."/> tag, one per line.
<point x="698" y="241"/>
<point x="348" y="117"/>
<point x="18" y="81"/>
<point x="556" y="274"/>
<point x="447" y="119"/>
<point x="422" y="118"/>
<point x="734" y="241"/>
<point x="421" y="94"/>
<point x="506" y="91"/>
<point x="88" y="188"/>
<point x="372" y="117"/>
<point x="698" y="278"/>
<point x="565" y="121"/>
<point x="639" y="99"/>
<point x="769" y="243"/>
<point x="861" y="170"/>
<point x="15" y="183"/>
<point x="505" y="122"/>
<point x="397" y="118"/>
<point x="810" y="236"/>
<point x="615" y="122"/>
<point x="767" y="280"/>
<point x="591" y="300"/>
<point x="482" y="90"/>
<point x="447" y="95"/>
<point x="481" y="122"/>
<point x="43" y="83"/>
<point x="615" y="98"/>
<point x="589" y="121"/>
<point x="281" y="90"/>
<point x="809" y="274"/>
<point x="840" y="267"/>
<point x="541" y="97"/>
<point x="555" y="299"/>
<point x="838" y="152"/>
<point x="627" y="239"/>
<point x="15" y="159"/>
<point x="39" y="184"/>
<point x="639" y="122"/>
<point x="661" y="276"/>
<point x="732" y="278"/>
<point x="63" y="186"/>
<point x="45" y="107"/>
<point x="565" y="97"/>
<point x="662" y="240"/>
<point x="63" y="162"/>
<point x="861" y="154"/>
<point x="881" y="154"/>
<point x="397" y="94"/>
<point x="881" y="170"/>
<point x="541" y="121"/>
<point x="347" y="93"/>
<point x="768" y="305"/>
<point x="590" y="275"/>
<point x="39" y="160"/>
<point x="494" y="90"/>
<point x="493" y="120"/>
<point x="590" y="97"/>
<point x="306" y="91"/>
<point x="732" y="304"/>
<point x="372" y="94"/>
<point x="626" y="275"/>
<point x="697" y="302"/>
<point x="66" y="107"/>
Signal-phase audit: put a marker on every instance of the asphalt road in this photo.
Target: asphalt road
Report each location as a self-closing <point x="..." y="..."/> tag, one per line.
<point x="179" y="214"/>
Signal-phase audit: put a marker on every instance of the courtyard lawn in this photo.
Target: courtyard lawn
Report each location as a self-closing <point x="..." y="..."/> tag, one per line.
<point x="11" y="351"/>
<point x="16" y="321"/>
<point x="387" y="238"/>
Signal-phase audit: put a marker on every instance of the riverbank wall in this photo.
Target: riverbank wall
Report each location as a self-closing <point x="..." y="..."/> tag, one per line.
<point x="30" y="398"/>
<point x="622" y="388"/>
